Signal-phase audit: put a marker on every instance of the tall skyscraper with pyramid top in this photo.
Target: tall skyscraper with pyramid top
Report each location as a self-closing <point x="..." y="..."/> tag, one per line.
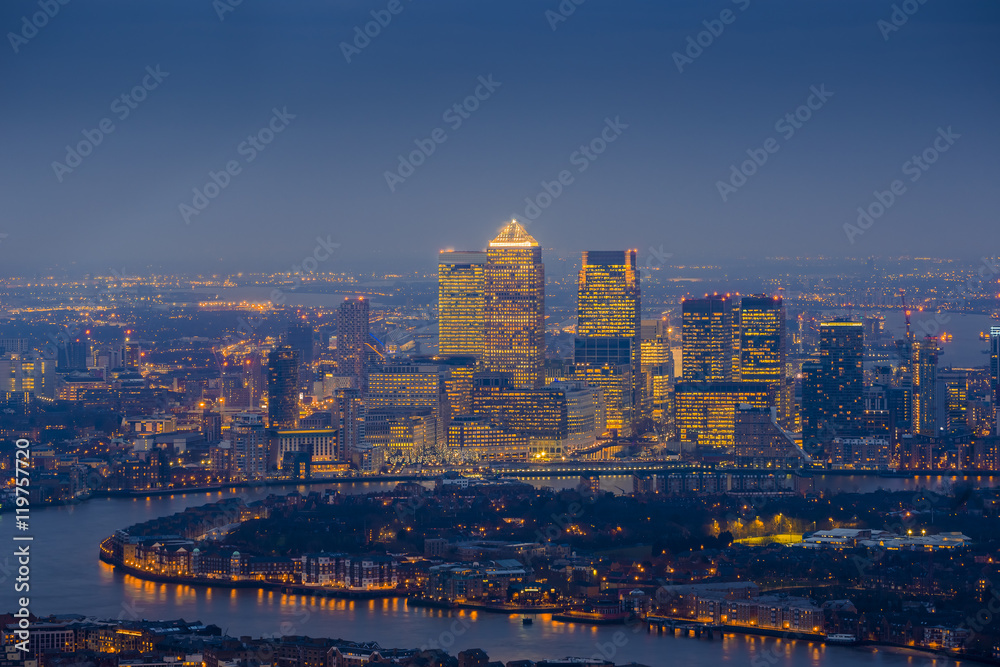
<point x="514" y="300"/>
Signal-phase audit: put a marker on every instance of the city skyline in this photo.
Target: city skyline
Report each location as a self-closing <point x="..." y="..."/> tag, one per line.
<point x="484" y="334"/>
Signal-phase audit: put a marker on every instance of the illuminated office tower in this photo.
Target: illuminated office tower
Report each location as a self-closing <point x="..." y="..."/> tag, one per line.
<point x="584" y="412"/>
<point x="541" y="415"/>
<point x="705" y="413"/>
<point x="923" y="361"/>
<point x="460" y="303"/>
<point x="404" y="434"/>
<point x="514" y="304"/>
<point x="458" y="382"/>
<point x="655" y="343"/>
<point x="707" y="339"/>
<point x="614" y="382"/>
<point x="608" y="344"/>
<point x="475" y="438"/>
<point x="283" y="387"/>
<point x="352" y="339"/>
<point x="995" y="376"/>
<point x="762" y="347"/>
<point x="762" y="339"/>
<point x="248" y="440"/>
<point x="657" y="367"/>
<point x="413" y="386"/>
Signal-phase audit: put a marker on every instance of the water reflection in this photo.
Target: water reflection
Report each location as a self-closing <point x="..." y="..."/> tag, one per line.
<point x="71" y="579"/>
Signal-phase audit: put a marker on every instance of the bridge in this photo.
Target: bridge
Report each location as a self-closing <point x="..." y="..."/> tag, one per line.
<point x="682" y="627"/>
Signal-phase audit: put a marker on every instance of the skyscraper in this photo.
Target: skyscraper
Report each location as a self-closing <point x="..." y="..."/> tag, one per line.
<point x="413" y="386"/>
<point x="460" y="303"/>
<point x="348" y="417"/>
<point x="952" y="400"/>
<point x="300" y="337"/>
<point x="705" y="413"/>
<point x="514" y="301"/>
<point x="762" y="347"/>
<point x="707" y="339"/>
<point x="352" y="339"/>
<point x="609" y="335"/>
<point x="657" y="367"/>
<point x="811" y="411"/>
<point x="835" y="387"/>
<point x="283" y="387"/>
<point x="249" y="445"/>
<point x="995" y="376"/>
<point x="762" y="339"/>
<point x="923" y="361"/>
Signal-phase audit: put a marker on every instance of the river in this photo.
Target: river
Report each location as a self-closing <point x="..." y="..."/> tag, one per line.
<point x="67" y="577"/>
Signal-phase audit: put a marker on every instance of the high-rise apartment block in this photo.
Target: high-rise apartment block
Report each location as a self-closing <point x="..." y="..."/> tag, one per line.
<point x="283" y="387"/>
<point x="352" y="339"/>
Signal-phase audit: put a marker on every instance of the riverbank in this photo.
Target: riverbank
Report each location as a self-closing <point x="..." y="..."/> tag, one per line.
<point x="287" y="588"/>
<point x="419" y="601"/>
<point x="820" y="638"/>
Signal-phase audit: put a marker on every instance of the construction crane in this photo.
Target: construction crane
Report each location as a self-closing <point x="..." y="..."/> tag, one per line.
<point x="907" y="312"/>
<point x="905" y="346"/>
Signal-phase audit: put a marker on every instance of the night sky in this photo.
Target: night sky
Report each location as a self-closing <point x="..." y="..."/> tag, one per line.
<point x="659" y="130"/>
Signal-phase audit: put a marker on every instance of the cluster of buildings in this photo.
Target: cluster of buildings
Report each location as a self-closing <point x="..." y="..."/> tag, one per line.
<point x="738" y="383"/>
<point x="850" y="538"/>
<point x="62" y="641"/>
<point x="190" y="546"/>
<point x="740" y="604"/>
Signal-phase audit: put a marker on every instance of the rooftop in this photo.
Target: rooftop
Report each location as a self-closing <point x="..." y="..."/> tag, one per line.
<point x="514" y="236"/>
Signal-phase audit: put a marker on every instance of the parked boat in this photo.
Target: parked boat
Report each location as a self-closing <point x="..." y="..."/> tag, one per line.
<point x="841" y="638"/>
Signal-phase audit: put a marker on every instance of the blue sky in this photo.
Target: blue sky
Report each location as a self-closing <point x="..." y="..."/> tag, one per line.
<point x="345" y="124"/>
